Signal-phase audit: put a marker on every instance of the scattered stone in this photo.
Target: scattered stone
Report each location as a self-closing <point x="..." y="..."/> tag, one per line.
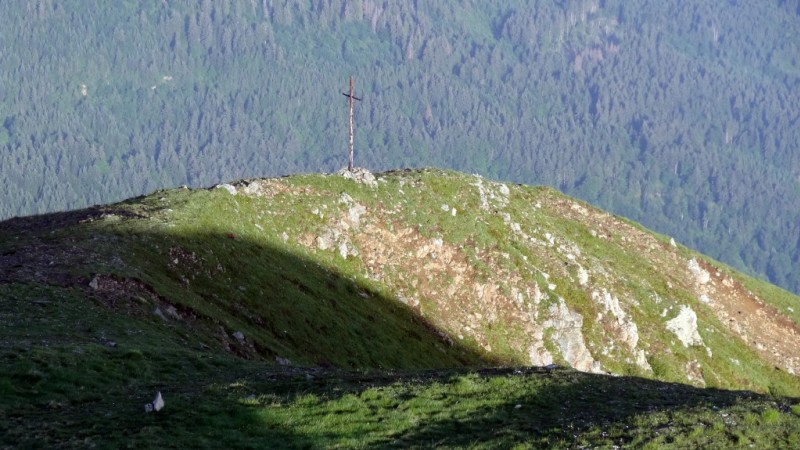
<point x="156" y="405"/>
<point x="326" y="241"/>
<point x="346" y="199"/>
<point x="284" y="237"/>
<point x="672" y="242"/>
<point x="230" y="188"/>
<point x="354" y="214"/>
<point x="504" y="190"/>
<point x="694" y="373"/>
<point x="282" y="361"/>
<point x="343" y="252"/>
<point x="94" y="284"/>
<point x="445" y="208"/>
<point x="641" y="361"/>
<point x="239" y="337"/>
<point x="583" y="276"/>
<point x="453" y="212"/>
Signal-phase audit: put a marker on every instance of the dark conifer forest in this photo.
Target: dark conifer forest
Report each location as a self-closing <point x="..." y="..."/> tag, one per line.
<point x="684" y="116"/>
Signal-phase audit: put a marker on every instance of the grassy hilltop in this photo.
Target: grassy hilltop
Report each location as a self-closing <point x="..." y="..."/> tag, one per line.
<point x="426" y="308"/>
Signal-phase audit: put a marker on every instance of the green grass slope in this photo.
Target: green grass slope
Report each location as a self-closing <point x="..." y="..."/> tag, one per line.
<point x="313" y="311"/>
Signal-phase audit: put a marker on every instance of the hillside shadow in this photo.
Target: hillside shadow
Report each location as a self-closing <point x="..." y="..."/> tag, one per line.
<point x="566" y="403"/>
<point x="289" y="306"/>
<point x="294" y="308"/>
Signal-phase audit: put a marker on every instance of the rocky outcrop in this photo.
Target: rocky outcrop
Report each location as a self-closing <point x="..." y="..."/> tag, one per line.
<point x="567" y="334"/>
<point x="359" y="175"/>
<point x="684" y="326"/>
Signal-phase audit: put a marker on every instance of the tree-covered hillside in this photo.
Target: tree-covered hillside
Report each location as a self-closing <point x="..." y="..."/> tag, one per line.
<point x="681" y="115"/>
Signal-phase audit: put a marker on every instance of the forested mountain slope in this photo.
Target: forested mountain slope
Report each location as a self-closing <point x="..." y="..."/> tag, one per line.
<point x="681" y="115"/>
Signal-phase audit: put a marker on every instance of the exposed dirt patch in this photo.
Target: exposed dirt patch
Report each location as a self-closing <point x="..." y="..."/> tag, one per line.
<point x="774" y="336"/>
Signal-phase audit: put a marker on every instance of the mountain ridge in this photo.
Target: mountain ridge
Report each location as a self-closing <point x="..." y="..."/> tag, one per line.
<point x="297" y="310"/>
<point x="540" y="278"/>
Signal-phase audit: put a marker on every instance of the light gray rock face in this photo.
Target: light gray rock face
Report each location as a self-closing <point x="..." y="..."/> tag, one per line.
<point x="567" y="335"/>
<point x="685" y="327"/>
<point x="627" y="329"/>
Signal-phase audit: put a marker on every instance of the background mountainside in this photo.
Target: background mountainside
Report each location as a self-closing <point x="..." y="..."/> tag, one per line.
<point x="310" y="310"/>
<point x="682" y="116"/>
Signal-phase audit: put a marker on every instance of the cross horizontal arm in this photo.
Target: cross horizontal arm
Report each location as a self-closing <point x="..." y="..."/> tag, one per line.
<point x="351" y="96"/>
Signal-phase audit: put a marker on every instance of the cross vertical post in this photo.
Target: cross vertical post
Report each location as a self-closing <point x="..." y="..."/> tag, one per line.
<point x="351" y="97"/>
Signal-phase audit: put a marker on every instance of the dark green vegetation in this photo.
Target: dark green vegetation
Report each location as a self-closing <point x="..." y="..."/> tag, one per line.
<point x="101" y="308"/>
<point x="680" y="115"/>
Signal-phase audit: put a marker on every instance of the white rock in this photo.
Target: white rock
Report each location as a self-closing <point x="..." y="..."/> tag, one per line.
<point x="672" y="242"/>
<point x="354" y="214"/>
<point x="453" y="212"/>
<point x="346" y="199"/>
<point x="583" y="276"/>
<point x="700" y="274"/>
<point x="156" y="405"/>
<point x="568" y="337"/>
<point x="641" y="361"/>
<point x="343" y="250"/>
<point x="239" y="336"/>
<point x="445" y="208"/>
<point x="231" y="190"/>
<point x="685" y="327"/>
